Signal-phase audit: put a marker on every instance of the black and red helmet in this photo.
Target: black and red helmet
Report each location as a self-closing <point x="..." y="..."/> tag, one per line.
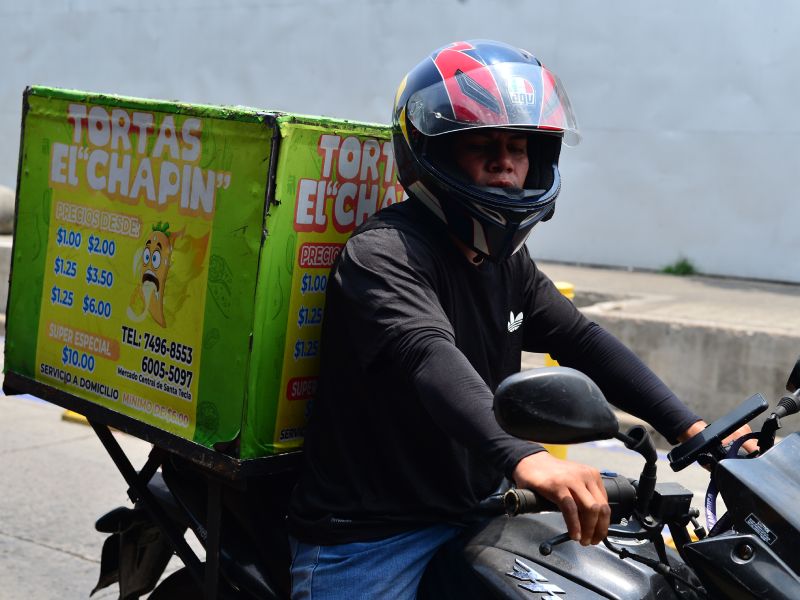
<point x="472" y="84"/>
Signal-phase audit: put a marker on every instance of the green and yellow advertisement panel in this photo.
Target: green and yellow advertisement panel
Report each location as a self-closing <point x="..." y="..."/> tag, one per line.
<point x="170" y="261"/>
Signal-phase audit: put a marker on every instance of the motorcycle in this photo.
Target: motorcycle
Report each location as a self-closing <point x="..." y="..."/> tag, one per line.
<point x="747" y="553"/>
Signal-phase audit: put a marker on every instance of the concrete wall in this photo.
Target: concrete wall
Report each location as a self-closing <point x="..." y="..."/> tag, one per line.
<point x="710" y="368"/>
<point x="687" y="108"/>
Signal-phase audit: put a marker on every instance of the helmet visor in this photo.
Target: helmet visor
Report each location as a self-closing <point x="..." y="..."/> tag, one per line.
<point x="514" y="95"/>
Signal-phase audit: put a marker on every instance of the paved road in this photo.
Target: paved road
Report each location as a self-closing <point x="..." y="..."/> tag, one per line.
<point x="57" y="479"/>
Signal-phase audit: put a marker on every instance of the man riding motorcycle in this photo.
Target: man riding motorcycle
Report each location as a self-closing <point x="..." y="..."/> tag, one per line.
<point x="428" y="308"/>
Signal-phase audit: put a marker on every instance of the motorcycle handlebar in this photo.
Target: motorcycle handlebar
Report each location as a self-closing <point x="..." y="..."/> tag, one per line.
<point x="621" y="498"/>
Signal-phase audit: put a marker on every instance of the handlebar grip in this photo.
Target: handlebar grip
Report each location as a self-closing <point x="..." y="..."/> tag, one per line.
<point x="518" y="501"/>
<point x="620" y="491"/>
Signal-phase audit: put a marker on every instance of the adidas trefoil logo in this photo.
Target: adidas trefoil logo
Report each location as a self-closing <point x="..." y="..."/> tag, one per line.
<point x="514" y="323"/>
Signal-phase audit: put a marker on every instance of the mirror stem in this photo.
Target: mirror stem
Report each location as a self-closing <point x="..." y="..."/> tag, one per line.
<point x="639" y="440"/>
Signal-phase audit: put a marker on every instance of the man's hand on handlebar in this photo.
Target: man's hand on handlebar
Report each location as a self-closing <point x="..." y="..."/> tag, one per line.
<point x="749" y="446"/>
<point x="576" y="489"/>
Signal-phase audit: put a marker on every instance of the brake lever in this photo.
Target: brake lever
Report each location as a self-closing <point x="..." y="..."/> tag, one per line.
<point x="546" y="547"/>
<point x="629" y="530"/>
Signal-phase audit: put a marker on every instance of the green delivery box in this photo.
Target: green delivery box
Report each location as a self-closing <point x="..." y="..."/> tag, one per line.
<point x="170" y="260"/>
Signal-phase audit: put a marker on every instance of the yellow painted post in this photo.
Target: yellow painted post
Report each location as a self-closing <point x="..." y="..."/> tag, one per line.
<point x="73" y="417"/>
<point x="568" y="290"/>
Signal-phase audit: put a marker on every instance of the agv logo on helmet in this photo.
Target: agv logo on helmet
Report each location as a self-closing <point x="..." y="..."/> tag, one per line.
<point x="521" y="91"/>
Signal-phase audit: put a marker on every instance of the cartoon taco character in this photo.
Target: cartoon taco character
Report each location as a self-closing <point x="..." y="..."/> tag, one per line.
<point x="153" y="265"/>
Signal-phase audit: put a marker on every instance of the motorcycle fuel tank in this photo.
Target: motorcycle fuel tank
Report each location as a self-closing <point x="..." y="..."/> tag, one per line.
<point x="505" y="554"/>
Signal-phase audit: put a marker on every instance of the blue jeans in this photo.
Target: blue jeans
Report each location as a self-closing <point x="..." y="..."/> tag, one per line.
<point x="390" y="568"/>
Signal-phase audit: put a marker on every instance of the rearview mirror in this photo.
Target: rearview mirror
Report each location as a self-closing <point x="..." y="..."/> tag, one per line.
<point x="554" y="405"/>
<point x="793" y="384"/>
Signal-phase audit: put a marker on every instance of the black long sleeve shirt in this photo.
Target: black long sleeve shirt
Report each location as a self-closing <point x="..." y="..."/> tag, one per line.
<point x="414" y="342"/>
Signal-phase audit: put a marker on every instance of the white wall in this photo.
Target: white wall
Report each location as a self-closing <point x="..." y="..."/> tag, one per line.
<point x="692" y="138"/>
<point x="687" y="109"/>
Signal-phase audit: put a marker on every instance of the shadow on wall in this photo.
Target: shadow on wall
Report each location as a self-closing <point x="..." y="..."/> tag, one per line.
<point x="6" y="210"/>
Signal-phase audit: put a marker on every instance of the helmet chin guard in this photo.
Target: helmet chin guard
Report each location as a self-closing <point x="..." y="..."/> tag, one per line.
<point x="481" y="85"/>
<point x="493" y="232"/>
